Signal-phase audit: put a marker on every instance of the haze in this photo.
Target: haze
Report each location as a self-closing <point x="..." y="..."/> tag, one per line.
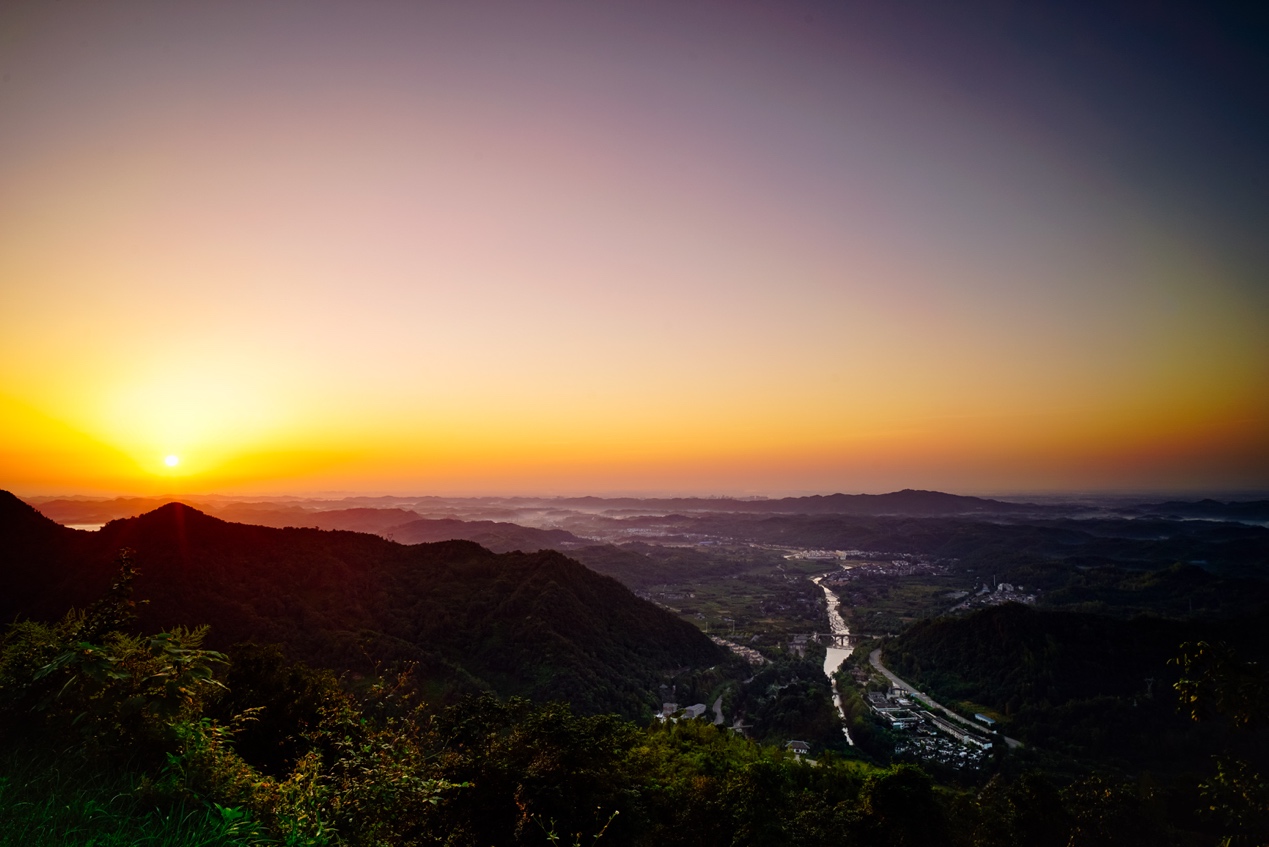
<point x="559" y="247"/>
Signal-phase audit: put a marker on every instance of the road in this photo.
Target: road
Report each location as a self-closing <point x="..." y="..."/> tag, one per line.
<point x="875" y="658"/>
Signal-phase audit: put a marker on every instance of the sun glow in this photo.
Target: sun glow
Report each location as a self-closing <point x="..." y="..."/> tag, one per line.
<point x="769" y="265"/>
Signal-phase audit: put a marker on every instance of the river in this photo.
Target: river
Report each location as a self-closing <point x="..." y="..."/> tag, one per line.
<point x="834" y="656"/>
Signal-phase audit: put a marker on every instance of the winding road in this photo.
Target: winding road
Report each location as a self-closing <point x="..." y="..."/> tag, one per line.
<point x="875" y="658"/>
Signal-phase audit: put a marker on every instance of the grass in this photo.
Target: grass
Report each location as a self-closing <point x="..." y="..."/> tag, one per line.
<point x="46" y="802"/>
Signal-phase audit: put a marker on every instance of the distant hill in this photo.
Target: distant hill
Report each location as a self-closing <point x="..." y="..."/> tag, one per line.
<point x="496" y="535"/>
<point x="360" y="519"/>
<point x="1250" y="510"/>
<point x="90" y="511"/>
<point x="906" y="502"/>
<point x="539" y="625"/>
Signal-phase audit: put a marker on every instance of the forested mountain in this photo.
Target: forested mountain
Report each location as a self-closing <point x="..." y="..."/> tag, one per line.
<point x="539" y="624"/>
<point x="1091" y="687"/>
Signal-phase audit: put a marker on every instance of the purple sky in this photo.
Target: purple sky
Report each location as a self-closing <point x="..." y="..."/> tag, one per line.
<point x="563" y="246"/>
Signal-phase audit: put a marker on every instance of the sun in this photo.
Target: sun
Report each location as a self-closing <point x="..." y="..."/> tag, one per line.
<point x="172" y="461"/>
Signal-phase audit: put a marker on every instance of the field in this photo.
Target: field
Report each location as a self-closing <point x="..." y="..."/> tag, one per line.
<point x="764" y="601"/>
<point x="763" y="596"/>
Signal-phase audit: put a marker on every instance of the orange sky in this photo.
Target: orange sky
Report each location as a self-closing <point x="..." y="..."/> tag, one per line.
<point x="497" y="248"/>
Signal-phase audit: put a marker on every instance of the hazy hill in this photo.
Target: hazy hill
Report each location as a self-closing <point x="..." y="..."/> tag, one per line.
<point x="1212" y="510"/>
<point x="541" y="625"/>
<point x="485" y="520"/>
<point x="498" y="536"/>
<point x="89" y="511"/>
<point x="906" y="502"/>
<point x="360" y="519"/>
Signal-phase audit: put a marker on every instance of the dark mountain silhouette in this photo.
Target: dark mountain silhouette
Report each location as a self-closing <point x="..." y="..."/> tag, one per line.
<point x="539" y="624"/>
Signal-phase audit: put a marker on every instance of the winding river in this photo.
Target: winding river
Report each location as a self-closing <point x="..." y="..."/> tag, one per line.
<point x="835" y="655"/>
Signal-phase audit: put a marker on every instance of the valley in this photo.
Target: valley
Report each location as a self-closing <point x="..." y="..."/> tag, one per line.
<point x="1048" y="641"/>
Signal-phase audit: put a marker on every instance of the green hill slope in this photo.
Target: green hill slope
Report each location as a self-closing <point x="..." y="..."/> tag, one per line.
<point x="537" y="624"/>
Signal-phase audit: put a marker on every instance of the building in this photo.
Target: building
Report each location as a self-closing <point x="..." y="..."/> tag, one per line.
<point x="798" y="748"/>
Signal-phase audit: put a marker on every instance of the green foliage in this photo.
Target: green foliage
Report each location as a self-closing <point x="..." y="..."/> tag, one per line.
<point x="115" y="611"/>
<point x="1217" y="682"/>
<point x="1108" y="812"/>
<point x="249" y="747"/>
<point x="376" y="782"/>
<point x="871" y="736"/>
<point x="288" y="702"/>
<point x="1214" y="680"/>
<point x="1236" y="798"/>
<point x="124" y="693"/>
<point x="899" y="808"/>
<point x="790" y="698"/>
<point x="381" y="769"/>
<point x="65" y="801"/>
<point x="1027" y="809"/>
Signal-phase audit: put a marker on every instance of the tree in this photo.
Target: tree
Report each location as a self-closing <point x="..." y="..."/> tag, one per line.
<point x="1217" y="684"/>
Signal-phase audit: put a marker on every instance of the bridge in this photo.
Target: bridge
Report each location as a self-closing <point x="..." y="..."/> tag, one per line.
<point x="833" y="639"/>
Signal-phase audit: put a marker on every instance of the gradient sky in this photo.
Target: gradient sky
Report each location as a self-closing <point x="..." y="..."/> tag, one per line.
<point x="584" y="247"/>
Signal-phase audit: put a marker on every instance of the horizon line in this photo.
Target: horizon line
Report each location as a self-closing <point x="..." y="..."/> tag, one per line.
<point x="661" y="494"/>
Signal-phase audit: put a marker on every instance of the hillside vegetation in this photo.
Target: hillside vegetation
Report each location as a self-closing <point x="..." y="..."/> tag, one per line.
<point x="156" y="737"/>
<point x="538" y="625"/>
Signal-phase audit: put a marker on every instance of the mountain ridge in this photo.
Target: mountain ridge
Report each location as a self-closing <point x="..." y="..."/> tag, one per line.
<point x="539" y="624"/>
<point x="302" y="513"/>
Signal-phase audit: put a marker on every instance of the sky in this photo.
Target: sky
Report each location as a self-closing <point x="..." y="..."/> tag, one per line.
<point x="690" y="247"/>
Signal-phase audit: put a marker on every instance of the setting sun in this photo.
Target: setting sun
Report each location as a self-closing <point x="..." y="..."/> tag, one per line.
<point x="795" y="256"/>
